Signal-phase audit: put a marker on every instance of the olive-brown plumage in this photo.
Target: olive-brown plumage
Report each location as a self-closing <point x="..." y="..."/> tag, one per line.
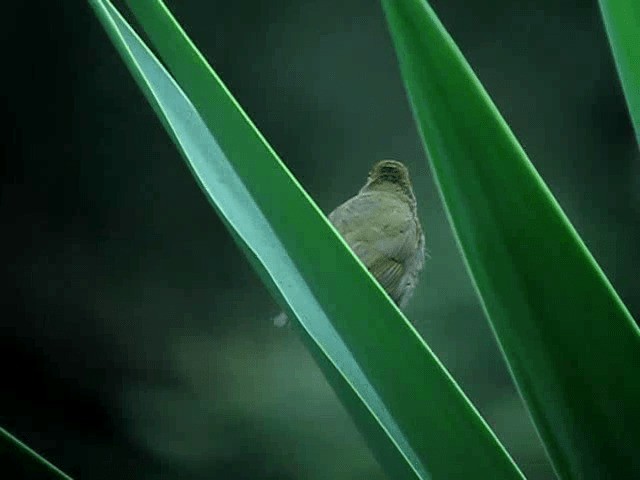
<point x="381" y="226"/>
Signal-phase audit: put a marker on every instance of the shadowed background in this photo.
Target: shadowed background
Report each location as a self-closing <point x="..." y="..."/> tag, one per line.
<point x="135" y="339"/>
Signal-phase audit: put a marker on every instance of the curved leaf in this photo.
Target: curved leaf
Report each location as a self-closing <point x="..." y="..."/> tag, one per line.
<point x="571" y="345"/>
<point x="413" y="414"/>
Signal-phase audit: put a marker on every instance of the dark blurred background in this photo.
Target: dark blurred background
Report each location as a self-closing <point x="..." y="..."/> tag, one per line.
<point x="135" y="338"/>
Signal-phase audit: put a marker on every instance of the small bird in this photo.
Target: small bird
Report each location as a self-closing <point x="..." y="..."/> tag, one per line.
<point x="381" y="226"/>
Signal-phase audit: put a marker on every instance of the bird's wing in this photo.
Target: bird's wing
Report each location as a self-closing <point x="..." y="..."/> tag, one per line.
<point x="382" y="235"/>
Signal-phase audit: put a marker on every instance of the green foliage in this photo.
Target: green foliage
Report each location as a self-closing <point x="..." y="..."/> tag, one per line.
<point x="622" y="20"/>
<point x="571" y="345"/>
<point x="414" y="415"/>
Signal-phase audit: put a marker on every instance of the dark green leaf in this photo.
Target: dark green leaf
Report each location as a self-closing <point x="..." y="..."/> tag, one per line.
<point x="571" y="345"/>
<point x="622" y="20"/>
<point x="19" y="461"/>
<point x="413" y="414"/>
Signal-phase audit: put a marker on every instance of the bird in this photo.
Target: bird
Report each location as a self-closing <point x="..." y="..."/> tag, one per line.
<point x="381" y="226"/>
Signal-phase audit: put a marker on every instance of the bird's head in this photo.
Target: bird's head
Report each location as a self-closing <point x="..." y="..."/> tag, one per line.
<point x="390" y="175"/>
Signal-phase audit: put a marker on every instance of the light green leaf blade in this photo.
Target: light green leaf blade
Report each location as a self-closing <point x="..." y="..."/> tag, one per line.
<point x="413" y="414"/>
<point x="571" y="345"/>
<point x="622" y="21"/>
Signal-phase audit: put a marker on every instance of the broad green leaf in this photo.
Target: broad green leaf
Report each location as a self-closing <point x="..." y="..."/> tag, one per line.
<point x="412" y="413"/>
<point x="571" y="345"/>
<point x="17" y="457"/>
<point x="622" y="21"/>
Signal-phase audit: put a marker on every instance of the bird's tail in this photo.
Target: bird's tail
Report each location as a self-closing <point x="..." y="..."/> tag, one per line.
<point x="281" y="320"/>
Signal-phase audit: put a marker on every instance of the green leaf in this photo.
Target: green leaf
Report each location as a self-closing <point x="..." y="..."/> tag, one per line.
<point x="622" y="21"/>
<point x="411" y="411"/>
<point x="571" y="345"/>
<point x="17" y="457"/>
